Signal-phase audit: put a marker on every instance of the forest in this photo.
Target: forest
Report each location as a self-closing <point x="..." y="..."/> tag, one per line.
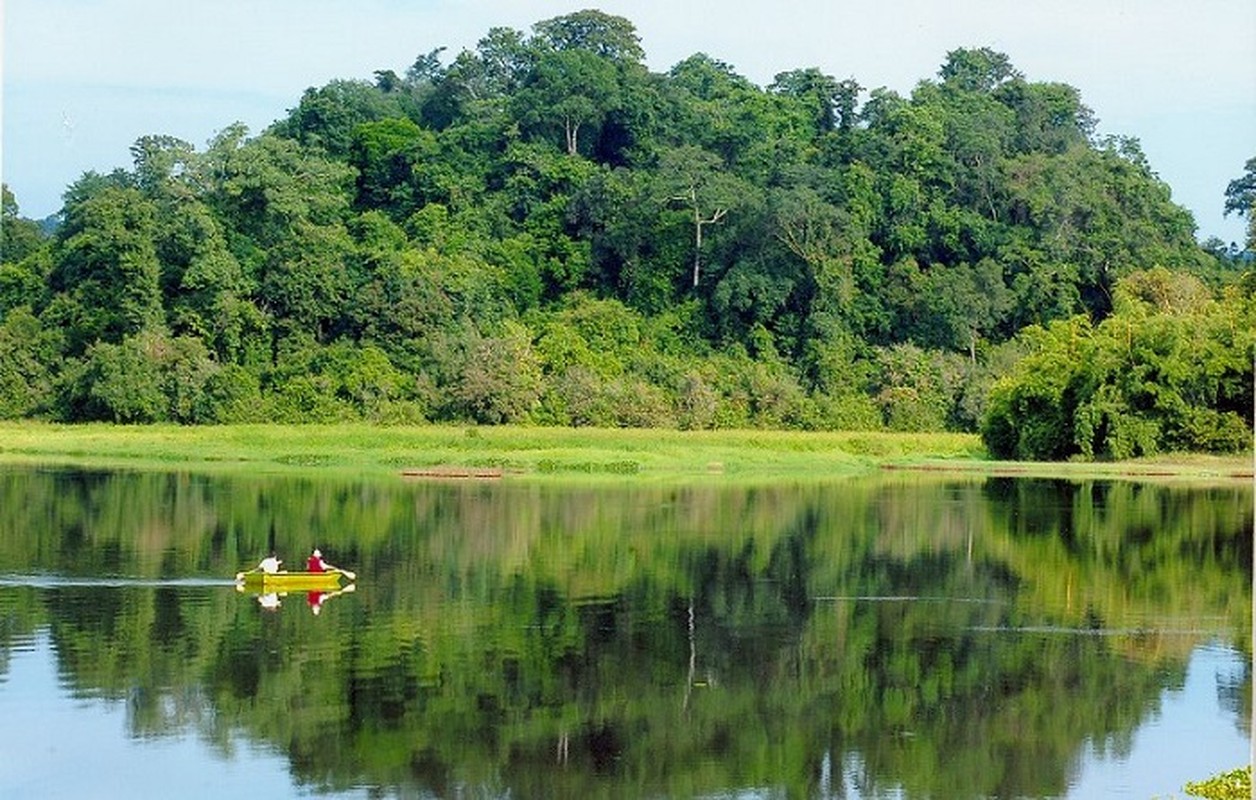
<point x="543" y="231"/>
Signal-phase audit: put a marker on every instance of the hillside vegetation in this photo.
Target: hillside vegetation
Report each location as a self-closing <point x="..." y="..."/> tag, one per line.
<point x="543" y="231"/>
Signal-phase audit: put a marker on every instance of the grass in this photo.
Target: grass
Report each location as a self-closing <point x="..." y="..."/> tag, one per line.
<point x="546" y="453"/>
<point x="538" y="453"/>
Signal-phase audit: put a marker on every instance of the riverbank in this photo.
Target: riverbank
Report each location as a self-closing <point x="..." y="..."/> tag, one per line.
<point x="514" y="453"/>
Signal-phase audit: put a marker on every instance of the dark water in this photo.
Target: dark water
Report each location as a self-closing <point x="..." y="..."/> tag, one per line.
<point x="915" y="637"/>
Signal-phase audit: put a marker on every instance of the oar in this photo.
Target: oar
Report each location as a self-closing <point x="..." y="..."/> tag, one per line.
<point x="353" y="576"/>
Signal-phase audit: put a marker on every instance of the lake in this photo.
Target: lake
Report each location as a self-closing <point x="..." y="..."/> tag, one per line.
<point x="900" y="635"/>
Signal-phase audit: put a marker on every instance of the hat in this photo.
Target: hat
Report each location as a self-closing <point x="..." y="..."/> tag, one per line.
<point x="317" y="554"/>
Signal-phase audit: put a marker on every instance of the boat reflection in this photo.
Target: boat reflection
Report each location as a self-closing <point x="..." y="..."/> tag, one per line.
<point x="271" y="594"/>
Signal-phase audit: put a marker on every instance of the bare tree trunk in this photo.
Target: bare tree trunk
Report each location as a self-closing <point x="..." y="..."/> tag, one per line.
<point x="691" y="199"/>
<point x="698" y="224"/>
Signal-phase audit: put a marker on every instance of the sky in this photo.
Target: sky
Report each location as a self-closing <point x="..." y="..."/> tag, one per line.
<point x="83" y="79"/>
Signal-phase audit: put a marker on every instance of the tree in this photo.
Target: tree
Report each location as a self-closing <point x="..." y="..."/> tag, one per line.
<point x="305" y="283"/>
<point x="119" y="383"/>
<point x="19" y="237"/>
<point x="326" y="116"/>
<point x="977" y="70"/>
<point x="495" y="70"/>
<point x="28" y="360"/>
<point x="500" y="378"/>
<point x="816" y="89"/>
<point x="779" y="245"/>
<point x="978" y="130"/>
<point x="1050" y="117"/>
<point x="695" y="180"/>
<point x="1030" y="414"/>
<point x="385" y="154"/>
<point x="106" y="266"/>
<point x="1240" y="198"/>
<point x="912" y="388"/>
<point x="387" y="81"/>
<point x="1170" y="369"/>
<point x="25" y="259"/>
<point x="968" y="302"/>
<point x="1100" y="214"/>
<point x="815" y="231"/>
<point x="571" y="90"/>
<point x="163" y="166"/>
<point x="831" y="102"/>
<point x="604" y="35"/>
<point x="263" y="187"/>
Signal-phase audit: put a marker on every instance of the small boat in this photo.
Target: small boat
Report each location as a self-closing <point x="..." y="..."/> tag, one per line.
<point x="278" y="582"/>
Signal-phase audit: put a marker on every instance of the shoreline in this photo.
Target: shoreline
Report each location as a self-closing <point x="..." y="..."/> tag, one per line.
<point x="1180" y="467"/>
<point x="514" y="453"/>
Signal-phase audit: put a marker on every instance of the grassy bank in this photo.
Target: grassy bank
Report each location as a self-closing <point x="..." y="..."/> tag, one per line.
<point x="542" y="453"/>
<point x="513" y="451"/>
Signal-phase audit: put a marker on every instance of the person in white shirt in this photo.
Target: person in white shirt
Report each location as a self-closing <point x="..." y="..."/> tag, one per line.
<point x="270" y="564"/>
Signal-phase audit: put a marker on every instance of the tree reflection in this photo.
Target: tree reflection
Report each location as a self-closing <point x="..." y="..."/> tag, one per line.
<point x="947" y="637"/>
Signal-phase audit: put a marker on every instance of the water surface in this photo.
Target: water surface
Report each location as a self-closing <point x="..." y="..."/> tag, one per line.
<point x="922" y="637"/>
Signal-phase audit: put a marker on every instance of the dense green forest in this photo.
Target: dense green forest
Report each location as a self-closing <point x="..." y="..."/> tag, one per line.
<point x="541" y="230"/>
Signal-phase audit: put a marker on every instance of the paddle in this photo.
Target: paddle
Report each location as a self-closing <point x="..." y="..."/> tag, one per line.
<point x="353" y="576"/>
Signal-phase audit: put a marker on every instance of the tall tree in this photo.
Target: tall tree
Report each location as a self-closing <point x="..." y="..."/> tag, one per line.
<point x="695" y="180"/>
<point x="326" y="116"/>
<point x="570" y="91"/>
<point x="604" y="35"/>
<point x="19" y="237"/>
<point x="106" y="265"/>
<point x="163" y="166"/>
<point x="1240" y="198"/>
<point x="818" y="90"/>
<point x="977" y="69"/>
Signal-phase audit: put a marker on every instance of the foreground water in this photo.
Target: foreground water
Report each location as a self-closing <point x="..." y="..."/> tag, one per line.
<point x="890" y="637"/>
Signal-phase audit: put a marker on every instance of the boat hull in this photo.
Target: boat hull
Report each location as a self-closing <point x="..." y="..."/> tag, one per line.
<point x="279" y="582"/>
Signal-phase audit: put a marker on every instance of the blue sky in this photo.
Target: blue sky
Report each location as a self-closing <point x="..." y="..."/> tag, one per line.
<point x="83" y="79"/>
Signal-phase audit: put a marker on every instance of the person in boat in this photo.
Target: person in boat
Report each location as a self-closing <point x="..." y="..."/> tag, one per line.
<point x="315" y="563"/>
<point x="270" y="564"/>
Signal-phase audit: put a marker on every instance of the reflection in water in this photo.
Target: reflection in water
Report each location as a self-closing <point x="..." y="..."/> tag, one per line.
<point x="1192" y="732"/>
<point x="62" y="582"/>
<point x="316" y="594"/>
<point x="935" y="638"/>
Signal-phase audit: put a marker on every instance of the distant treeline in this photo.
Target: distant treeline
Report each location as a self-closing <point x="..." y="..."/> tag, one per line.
<point x="543" y="231"/>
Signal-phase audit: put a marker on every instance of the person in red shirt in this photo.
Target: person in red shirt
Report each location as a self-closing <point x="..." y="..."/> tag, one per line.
<point x="315" y="562"/>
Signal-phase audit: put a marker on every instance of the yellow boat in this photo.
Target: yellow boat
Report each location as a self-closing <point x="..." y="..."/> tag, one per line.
<point x="279" y="582"/>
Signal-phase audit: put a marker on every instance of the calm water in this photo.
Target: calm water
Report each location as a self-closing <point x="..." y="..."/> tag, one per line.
<point x="907" y="637"/>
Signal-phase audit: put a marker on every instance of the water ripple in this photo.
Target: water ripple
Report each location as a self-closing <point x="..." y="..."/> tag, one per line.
<point x="43" y="581"/>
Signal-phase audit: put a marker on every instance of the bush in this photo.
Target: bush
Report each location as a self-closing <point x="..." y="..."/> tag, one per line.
<point x="1233" y="785"/>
